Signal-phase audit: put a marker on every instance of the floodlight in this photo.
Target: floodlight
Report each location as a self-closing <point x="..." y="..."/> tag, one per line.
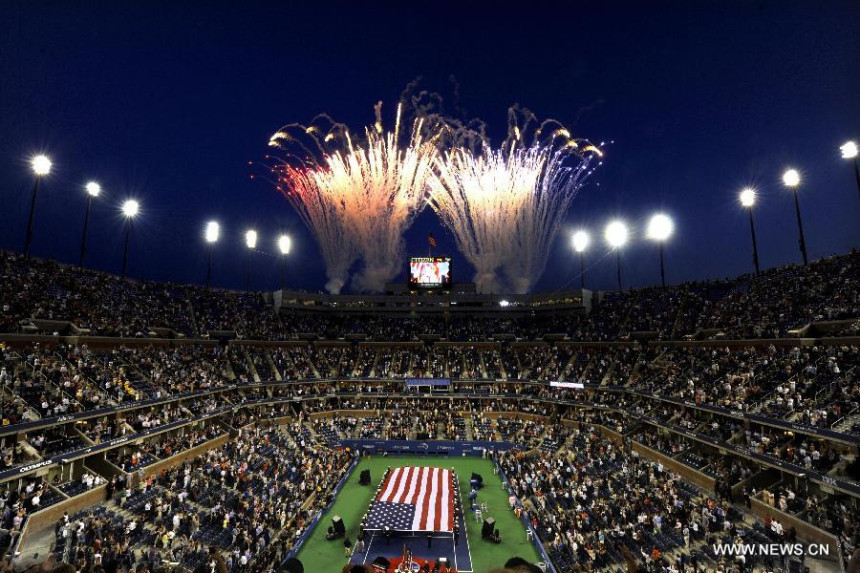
<point x="93" y="189"/>
<point x="748" y="197"/>
<point x="212" y="232"/>
<point x="41" y="165"/>
<point x="284" y="244"/>
<point x="616" y="234"/>
<point x="849" y="150"/>
<point x="660" y="227"/>
<point x="791" y="178"/>
<point x="580" y="241"/>
<point x="130" y="208"/>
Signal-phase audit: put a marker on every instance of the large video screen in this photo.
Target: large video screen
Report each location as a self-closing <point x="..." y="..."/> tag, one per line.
<point x="430" y="272"/>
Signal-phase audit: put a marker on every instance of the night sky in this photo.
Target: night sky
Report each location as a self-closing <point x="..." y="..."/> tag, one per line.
<point x="168" y="102"/>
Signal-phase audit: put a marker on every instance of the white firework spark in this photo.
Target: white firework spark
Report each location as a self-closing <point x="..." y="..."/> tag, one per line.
<point x="505" y="206"/>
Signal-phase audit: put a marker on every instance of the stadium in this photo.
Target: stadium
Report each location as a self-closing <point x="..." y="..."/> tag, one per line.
<point x="401" y="287"/>
<point x="172" y="427"/>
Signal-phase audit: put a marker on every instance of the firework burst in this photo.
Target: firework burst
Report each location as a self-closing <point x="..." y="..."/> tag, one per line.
<point x="480" y="198"/>
<point x="504" y="206"/>
<point x="358" y="198"/>
<point x="324" y="216"/>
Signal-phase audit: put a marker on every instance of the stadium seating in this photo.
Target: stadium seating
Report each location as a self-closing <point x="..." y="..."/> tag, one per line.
<point x="197" y="405"/>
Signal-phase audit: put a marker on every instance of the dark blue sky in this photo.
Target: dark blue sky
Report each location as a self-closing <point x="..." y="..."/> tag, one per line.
<point x="168" y="102"/>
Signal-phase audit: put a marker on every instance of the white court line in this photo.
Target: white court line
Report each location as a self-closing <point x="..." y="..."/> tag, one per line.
<point x="369" y="545"/>
<point x="466" y="532"/>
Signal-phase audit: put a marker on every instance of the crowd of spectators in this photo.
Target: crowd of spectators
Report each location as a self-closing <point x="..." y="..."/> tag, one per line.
<point x="763" y="306"/>
<point x="98" y="302"/>
<point x="595" y="504"/>
<point x="561" y="485"/>
<point x="238" y="497"/>
<point x="134" y="458"/>
<point x="241" y="505"/>
<point x="812" y="385"/>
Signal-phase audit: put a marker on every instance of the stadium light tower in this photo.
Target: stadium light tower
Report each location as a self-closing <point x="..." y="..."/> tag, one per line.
<point x="130" y="210"/>
<point x="849" y="151"/>
<point x="284" y="244"/>
<point x="251" y="243"/>
<point x="660" y="228"/>
<point x="616" y="235"/>
<point x="41" y="166"/>
<point x="580" y="240"/>
<point x="748" y="197"/>
<point x="93" y="190"/>
<point x="791" y="179"/>
<point x="212" y="231"/>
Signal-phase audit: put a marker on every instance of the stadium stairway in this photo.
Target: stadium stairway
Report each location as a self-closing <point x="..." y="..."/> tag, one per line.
<point x="252" y="368"/>
<point x="315" y="438"/>
<point x="267" y="356"/>
<point x="568" y="366"/>
<point x="229" y="371"/>
<point x="413" y="430"/>
<point x="93" y="385"/>
<point x="195" y="330"/>
<point x="607" y="378"/>
<point x="358" y="427"/>
<point x="482" y="365"/>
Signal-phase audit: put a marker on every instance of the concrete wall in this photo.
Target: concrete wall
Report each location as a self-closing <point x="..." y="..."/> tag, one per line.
<point x="805" y="531"/>
<point x="694" y="476"/>
<point x="48" y="517"/>
<point x="175" y="460"/>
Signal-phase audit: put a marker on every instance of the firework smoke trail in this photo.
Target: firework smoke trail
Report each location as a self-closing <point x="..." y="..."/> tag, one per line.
<point x="364" y="196"/>
<point x="505" y="206"/>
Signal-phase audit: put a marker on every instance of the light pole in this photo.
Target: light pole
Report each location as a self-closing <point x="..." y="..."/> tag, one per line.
<point x="212" y="230"/>
<point x="284" y="244"/>
<point x="130" y="209"/>
<point x="849" y="151"/>
<point x="791" y="179"/>
<point x="93" y="190"/>
<point x="748" y="197"/>
<point x="580" y="240"/>
<point x="251" y="243"/>
<point x="41" y="166"/>
<point x="660" y="228"/>
<point x="616" y="235"/>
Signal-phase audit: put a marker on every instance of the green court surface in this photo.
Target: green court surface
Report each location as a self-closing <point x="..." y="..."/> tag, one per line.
<point x="321" y="556"/>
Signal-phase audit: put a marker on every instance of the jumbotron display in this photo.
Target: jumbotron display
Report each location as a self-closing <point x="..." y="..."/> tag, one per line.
<point x="430" y="272"/>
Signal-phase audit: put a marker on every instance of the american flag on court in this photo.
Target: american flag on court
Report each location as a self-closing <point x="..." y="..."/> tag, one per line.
<point x="414" y="499"/>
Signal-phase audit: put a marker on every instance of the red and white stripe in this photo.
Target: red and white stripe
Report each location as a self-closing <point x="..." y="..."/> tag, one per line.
<point x="430" y="490"/>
